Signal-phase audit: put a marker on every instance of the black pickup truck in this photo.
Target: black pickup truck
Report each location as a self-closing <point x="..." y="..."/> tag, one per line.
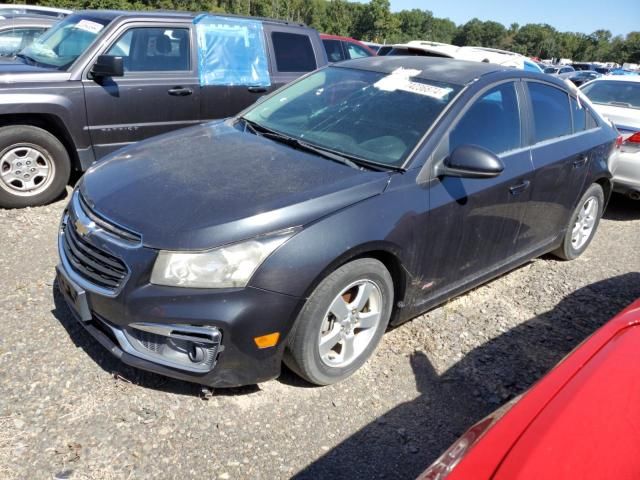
<point x="99" y="80"/>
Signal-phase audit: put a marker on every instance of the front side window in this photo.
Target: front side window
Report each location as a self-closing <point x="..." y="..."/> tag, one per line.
<point x="551" y="114"/>
<point x="370" y="115"/>
<point x="492" y="122"/>
<point x="616" y="93"/>
<point x="294" y="52"/>
<point x="356" y="51"/>
<point x="153" y="49"/>
<point x="63" y="43"/>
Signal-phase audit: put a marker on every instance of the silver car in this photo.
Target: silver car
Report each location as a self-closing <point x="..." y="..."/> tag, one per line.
<point x="618" y="99"/>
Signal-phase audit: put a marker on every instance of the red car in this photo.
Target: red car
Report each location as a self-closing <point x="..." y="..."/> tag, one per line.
<point x="344" y="48"/>
<point x="578" y="422"/>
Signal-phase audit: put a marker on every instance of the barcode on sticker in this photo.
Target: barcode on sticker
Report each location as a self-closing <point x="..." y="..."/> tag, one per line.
<point x="426" y="90"/>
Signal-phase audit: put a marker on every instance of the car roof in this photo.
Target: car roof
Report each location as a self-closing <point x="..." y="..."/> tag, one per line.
<point x="438" y="69"/>
<point x="171" y="14"/>
<point x="618" y="78"/>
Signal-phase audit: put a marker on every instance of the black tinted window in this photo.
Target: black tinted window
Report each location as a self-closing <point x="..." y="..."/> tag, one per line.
<point x="579" y="116"/>
<point x="492" y="122"/>
<point x="334" y="50"/>
<point x="619" y="93"/>
<point x="294" y="52"/>
<point x="551" y="114"/>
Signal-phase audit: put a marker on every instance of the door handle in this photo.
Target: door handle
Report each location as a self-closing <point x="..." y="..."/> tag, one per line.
<point x="180" y="91"/>
<point x="580" y="161"/>
<point x="521" y="187"/>
<point x="257" y="89"/>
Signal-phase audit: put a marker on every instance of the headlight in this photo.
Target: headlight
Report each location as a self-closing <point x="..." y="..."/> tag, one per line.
<point x="223" y="267"/>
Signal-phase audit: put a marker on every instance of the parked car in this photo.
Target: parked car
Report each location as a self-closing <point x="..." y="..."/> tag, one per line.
<point x="618" y="99"/>
<point x="99" y="80"/>
<point x="361" y="195"/>
<point x="559" y="70"/>
<point x="584" y="66"/>
<point x="574" y="423"/>
<point x="582" y="76"/>
<point x="17" y="33"/>
<point x="384" y="50"/>
<point x="476" y="54"/>
<point x="339" y="49"/>
<point x="10" y="9"/>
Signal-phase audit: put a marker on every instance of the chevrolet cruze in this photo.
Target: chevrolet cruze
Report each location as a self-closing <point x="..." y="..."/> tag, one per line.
<point x="359" y="196"/>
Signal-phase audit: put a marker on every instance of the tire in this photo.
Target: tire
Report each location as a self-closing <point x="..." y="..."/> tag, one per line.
<point x="573" y="245"/>
<point x="34" y="167"/>
<point x="365" y="289"/>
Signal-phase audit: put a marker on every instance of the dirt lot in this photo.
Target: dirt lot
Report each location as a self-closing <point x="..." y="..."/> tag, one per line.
<point x="70" y="410"/>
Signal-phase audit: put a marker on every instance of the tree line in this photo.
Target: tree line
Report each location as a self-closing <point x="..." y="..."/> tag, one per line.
<point x="374" y="21"/>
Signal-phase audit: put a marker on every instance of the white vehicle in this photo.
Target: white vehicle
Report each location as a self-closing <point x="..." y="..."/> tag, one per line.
<point x="618" y="99"/>
<point x="477" y="54"/>
<point x="11" y="10"/>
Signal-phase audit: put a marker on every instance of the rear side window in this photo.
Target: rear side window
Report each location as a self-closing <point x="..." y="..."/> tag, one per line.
<point x="492" y="122"/>
<point x="334" y="50"/>
<point x="551" y="114"/>
<point x="621" y="94"/>
<point x="579" y="116"/>
<point x="294" y="52"/>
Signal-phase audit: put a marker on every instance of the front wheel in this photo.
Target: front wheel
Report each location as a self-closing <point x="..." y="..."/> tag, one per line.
<point x="342" y="322"/>
<point x="34" y="166"/>
<point x="583" y="224"/>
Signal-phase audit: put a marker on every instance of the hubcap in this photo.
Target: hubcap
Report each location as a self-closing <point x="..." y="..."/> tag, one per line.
<point x="25" y="170"/>
<point x="583" y="228"/>
<point x="350" y="323"/>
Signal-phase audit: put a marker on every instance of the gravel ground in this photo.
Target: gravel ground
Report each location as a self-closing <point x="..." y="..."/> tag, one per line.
<point x="70" y="410"/>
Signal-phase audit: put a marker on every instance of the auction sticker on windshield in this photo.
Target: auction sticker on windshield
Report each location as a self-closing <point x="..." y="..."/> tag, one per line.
<point x="89" y="26"/>
<point x="426" y="90"/>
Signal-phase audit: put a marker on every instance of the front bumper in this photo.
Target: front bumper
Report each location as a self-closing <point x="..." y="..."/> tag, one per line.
<point x="238" y="315"/>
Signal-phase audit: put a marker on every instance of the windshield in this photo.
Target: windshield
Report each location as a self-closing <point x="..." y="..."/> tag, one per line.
<point x="63" y="43"/>
<point x="626" y="94"/>
<point x="373" y="116"/>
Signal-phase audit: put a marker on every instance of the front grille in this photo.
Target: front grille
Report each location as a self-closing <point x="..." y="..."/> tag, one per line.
<point x="91" y="263"/>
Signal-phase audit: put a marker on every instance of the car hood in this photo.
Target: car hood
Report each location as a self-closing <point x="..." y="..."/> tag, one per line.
<point x="14" y="70"/>
<point x="213" y="184"/>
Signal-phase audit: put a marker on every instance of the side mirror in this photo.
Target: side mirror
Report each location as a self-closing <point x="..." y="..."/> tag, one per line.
<point x="108" y="66"/>
<point x="471" y="161"/>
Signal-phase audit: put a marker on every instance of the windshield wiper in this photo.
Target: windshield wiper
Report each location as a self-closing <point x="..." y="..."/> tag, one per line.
<point x="27" y="59"/>
<point x="262" y="131"/>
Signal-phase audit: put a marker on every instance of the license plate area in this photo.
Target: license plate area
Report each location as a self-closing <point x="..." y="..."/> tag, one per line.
<point x="75" y="296"/>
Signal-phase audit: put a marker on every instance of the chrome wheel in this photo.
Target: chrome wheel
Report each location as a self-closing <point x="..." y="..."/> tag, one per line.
<point x="26" y="170"/>
<point x="350" y="323"/>
<point x="583" y="228"/>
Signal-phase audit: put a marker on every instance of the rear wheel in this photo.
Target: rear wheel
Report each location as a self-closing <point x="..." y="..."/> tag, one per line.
<point x="583" y="224"/>
<point x="34" y="166"/>
<point x="342" y="322"/>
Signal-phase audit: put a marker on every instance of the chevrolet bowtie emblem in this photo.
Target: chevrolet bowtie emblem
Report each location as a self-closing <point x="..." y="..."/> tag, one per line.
<point x="84" y="229"/>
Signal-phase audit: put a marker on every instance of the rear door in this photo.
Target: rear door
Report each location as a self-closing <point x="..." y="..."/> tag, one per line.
<point x="159" y="91"/>
<point x="475" y="223"/>
<point x="561" y="151"/>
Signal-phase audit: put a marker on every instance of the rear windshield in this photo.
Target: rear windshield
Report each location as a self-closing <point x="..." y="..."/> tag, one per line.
<point x="373" y="116"/>
<point x="620" y="94"/>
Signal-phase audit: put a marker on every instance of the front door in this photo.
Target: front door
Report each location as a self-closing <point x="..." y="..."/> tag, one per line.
<point x="474" y="224"/>
<point x="159" y="91"/>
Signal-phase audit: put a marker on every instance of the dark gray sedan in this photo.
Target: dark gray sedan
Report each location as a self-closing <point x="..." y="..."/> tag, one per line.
<point x="359" y="196"/>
